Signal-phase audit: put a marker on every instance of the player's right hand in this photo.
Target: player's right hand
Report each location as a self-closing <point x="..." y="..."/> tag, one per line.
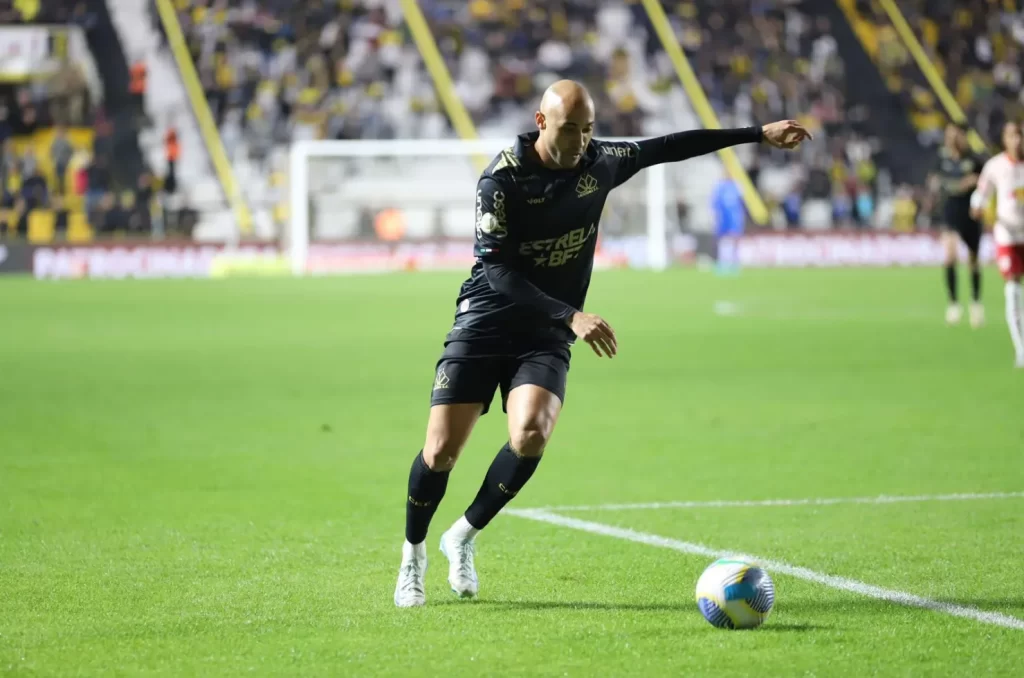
<point x="594" y="330"/>
<point x="785" y="134"/>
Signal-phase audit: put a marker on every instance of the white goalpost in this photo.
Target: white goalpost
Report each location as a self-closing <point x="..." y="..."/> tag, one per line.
<point x="372" y="205"/>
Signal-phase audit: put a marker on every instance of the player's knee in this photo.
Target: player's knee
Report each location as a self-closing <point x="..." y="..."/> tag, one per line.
<point x="530" y="440"/>
<point x="440" y="452"/>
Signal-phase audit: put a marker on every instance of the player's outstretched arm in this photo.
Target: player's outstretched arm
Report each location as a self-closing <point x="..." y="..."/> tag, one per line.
<point x="786" y="134"/>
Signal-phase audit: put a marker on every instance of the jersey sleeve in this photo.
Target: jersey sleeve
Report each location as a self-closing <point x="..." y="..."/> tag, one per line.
<point x="628" y="158"/>
<point x="493" y="217"/>
<point x="986" y="186"/>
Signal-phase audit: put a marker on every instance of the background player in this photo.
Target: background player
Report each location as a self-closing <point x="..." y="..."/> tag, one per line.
<point x="956" y="176"/>
<point x="538" y="206"/>
<point x="1003" y="177"/>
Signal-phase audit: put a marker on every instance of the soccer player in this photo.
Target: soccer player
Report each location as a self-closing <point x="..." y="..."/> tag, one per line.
<point x="1003" y="177"/>
<point x="956" y="175"/>
<point x="537" y="211"/>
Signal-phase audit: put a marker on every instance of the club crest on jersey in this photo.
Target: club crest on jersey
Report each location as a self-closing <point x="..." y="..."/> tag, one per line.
<point x="587" y="185"/>
<point x="489" y="224"/>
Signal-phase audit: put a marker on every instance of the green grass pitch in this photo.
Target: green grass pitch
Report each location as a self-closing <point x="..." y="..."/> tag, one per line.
<point x="207" y="478"/>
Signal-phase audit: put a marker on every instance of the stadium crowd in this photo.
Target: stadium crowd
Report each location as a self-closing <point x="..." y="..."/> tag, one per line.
<point x="59" y="147"/>
<point x="277" y="71"/>
<point x="975" y="46"/>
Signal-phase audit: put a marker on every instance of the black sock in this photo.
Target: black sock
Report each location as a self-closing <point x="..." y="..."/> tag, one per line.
<point x="426" y="489"/>
<point x="951" y="282"/>
<point x="507" y="475"/>
<point x="976" y="284"/>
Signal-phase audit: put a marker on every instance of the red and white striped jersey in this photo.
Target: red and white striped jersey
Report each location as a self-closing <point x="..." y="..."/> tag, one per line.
<point x="1004" y="178"/>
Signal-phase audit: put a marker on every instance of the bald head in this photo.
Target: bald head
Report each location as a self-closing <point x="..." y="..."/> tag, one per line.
<point x="566" y="98"/>
<point x="566" y="124"/>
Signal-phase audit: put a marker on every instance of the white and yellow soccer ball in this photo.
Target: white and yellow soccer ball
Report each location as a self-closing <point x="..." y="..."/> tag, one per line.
<point x="735" y="594"/>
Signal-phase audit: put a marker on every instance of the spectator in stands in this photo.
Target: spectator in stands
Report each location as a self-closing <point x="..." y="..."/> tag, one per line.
<point x="9" y="173"/>
<point x="61" y="152"/>
<point x="97" y="182"/>
<point x="172" y="149"/>
<point x="5" y="126"/>
<point x="61" y="216"/>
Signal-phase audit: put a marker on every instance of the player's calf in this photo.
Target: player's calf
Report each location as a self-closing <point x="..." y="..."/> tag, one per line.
<point x="447" y="432"/>
<point x="532" y="413"/>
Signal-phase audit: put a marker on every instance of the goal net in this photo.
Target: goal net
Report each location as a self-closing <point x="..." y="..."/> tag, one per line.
<point x="376" y="206"/>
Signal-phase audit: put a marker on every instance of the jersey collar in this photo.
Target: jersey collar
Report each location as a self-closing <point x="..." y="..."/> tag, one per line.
<point x="524" y="142"/>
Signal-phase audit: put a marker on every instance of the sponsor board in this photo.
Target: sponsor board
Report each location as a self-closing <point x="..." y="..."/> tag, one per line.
<point x="144" y="260"/>
<point x="191" y="260"/>
<point x="373" y="257"/>
<point x="15" y="258"/>
<point x="839" y="249"/>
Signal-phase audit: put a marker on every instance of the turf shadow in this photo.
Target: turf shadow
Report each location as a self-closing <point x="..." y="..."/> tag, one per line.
<point x="576" y="605"/>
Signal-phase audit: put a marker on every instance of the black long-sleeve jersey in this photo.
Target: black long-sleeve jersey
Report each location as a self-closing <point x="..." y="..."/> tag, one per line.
<point x="536" y="231"/>
<point x="951" y="169"/>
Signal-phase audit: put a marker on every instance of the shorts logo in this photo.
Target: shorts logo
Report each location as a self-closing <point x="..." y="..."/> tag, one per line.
<point x="587" y="185"/>
<point x="441" y="380"/>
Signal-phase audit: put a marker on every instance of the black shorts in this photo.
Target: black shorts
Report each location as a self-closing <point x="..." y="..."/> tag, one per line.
<point x="471" y="371"/>
<point x="959" y="220"/>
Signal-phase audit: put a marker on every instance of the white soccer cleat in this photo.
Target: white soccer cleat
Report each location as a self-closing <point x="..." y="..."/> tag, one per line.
<point x="977" y="315"/>
<point x="410" y="590"/>
<point x="1019" y="363"/>
<point x="953" y="314"/>
<point x="461" y="570"/>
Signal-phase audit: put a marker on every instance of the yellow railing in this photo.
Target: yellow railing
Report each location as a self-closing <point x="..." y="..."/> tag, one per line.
<point x="201" y="108"/>
<point x="755" y="204"/>
<point x="931" y="73"/>
<point x="427" y="46"/>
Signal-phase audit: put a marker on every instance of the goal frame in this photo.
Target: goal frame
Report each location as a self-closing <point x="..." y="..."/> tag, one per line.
<point x="302" y="151"/>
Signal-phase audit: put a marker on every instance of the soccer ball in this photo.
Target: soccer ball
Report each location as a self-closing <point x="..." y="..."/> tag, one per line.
<point x="734" y="594"/>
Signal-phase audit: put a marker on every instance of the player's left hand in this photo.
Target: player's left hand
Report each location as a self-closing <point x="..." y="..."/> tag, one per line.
<point x="785" y="134"/>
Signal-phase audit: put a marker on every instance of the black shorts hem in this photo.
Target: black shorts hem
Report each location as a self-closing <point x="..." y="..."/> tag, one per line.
<point x="969" y="232"/>
<point x="471" y="373"/>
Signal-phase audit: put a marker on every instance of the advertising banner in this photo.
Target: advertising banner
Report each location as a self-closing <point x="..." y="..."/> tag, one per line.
<point x="147" y="261"/>
<point x="837" y="249"/>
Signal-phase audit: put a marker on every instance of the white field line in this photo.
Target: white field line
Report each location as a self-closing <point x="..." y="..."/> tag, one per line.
<point x="881" y="499"/>
<point x="773" y="566"/>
